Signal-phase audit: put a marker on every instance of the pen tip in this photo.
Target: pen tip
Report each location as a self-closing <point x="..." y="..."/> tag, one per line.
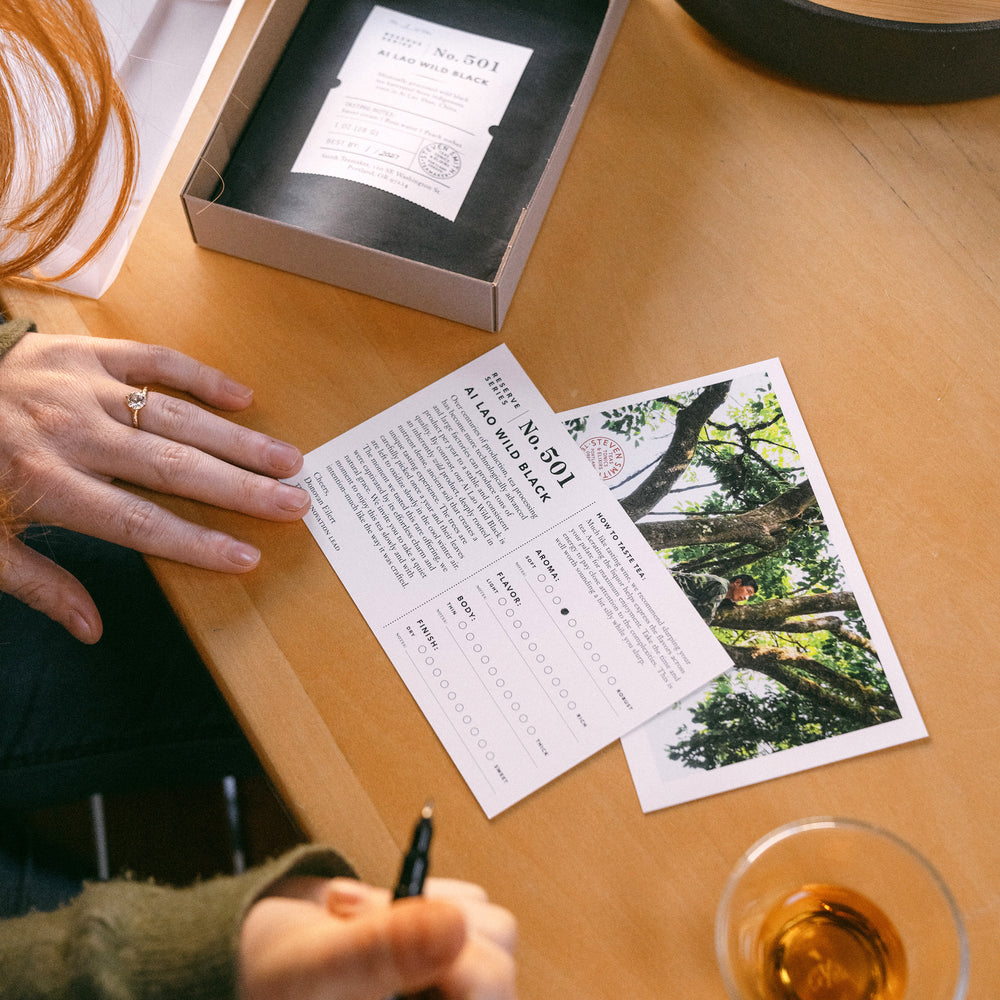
<point x="428" y="810"/>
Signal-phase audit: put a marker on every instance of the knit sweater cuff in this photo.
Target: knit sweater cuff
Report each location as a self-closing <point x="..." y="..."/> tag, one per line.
<point x="12" y="331"/>
<point x="143" y="941"/>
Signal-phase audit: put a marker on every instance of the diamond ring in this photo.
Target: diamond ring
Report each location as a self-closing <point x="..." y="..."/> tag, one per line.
<point x="135" y="401"/>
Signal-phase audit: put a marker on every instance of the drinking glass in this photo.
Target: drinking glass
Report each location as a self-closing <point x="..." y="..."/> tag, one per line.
<point x="836" y="909"/>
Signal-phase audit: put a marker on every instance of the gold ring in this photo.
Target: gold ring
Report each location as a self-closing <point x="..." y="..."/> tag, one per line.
<point x="135" y="401"/>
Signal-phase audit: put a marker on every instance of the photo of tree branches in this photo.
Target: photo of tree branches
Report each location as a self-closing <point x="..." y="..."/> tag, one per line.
<point x="716" y="485"/>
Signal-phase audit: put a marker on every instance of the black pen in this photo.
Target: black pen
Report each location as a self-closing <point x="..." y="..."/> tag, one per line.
<point x="417" y="860"/>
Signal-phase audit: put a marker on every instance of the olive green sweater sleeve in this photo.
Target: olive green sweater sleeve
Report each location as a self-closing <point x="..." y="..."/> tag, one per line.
<point x="12" y="331"/>
<point x="127" y="940"/>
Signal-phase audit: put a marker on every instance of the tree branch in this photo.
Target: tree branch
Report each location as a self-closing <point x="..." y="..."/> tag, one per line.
<point x="760" y="527"/>
<point x="830" y="623"/>
<point x="774" y="615"/>
<point x="675" y="460"/>
<point x="792" y="670"/>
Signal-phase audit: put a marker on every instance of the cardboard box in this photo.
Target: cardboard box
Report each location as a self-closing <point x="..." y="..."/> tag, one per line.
<point x="163" y="54"/>
<point x="348" y="234"/>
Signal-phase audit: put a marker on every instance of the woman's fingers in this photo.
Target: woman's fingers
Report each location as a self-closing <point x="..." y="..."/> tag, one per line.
<point x="45" y="480"/>
<point x="178" y="469"/>
<point x="179" y="449"/>
<point x="38" y="582"/>
<point x="456" y="941"/>
<point x="347" y="897"/>
<point x="104" y="510"/>
<point x="138" y="364"/>
<point x="63" y="399"/>
<point x="186" y="423"/>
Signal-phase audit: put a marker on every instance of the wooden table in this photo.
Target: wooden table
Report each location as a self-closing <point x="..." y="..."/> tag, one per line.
<point x="710" y="215"/>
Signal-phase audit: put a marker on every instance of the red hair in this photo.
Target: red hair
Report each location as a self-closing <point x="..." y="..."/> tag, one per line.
<point x="59" y="99"/>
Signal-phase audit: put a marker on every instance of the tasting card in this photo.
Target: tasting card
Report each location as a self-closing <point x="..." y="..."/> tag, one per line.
<point x="528" y="618"/>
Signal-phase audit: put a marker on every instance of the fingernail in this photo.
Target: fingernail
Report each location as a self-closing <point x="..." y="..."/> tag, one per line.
<point x="238" y="389"/>
<point x="283" y="457"/>
<point x="346" y="893"/>
<point x="242" y="555"/>
<point x="292" y="498"/>
<point x="81" y="629"/>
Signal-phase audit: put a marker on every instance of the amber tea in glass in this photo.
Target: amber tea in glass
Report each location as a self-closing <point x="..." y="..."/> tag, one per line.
<point x="824" y="942"/>
<point x="831" y="909"/>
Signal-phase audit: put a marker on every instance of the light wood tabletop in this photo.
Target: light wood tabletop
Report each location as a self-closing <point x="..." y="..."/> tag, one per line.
<point x="711" y="215"/>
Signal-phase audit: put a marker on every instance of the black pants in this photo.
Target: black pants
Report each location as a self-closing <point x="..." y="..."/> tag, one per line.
<point x="137" y="709"/>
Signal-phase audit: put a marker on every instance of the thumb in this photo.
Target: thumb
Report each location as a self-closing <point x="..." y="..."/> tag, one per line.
<point x="406" y="947"/>
<point x="38" y="582"/>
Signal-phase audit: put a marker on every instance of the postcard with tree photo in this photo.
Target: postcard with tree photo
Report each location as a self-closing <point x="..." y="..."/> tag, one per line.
<point x="721" y="479"/>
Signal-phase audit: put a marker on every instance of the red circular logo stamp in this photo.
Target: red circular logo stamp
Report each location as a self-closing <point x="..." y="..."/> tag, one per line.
<point x="605" y="455"/>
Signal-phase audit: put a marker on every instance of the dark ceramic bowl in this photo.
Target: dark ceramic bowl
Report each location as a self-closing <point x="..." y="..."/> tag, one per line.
<point x="868" y="57"/>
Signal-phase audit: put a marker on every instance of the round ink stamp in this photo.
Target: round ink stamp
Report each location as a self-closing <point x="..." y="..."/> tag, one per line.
<point x="439" y="160"/>
<point x="605" y="455"/>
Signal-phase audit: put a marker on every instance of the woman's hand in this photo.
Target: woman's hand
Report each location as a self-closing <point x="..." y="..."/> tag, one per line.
<point x="337" y="939"/>
<point x="66" y="435"/>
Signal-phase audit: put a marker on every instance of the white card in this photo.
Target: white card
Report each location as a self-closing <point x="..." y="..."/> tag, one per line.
<point x="413" y="110"/>
<point x="526" y="615"/>
<point x="816" y="677"/>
